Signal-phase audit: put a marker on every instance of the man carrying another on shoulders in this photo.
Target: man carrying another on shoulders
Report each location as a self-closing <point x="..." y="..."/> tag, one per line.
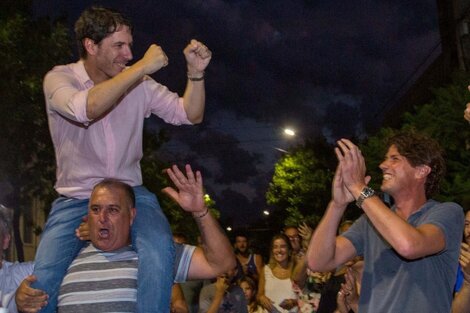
<point x="103" y="277"/>
<point x="96" y="110"/>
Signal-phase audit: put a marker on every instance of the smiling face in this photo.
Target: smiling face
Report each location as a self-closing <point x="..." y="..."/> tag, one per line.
<point x="398" y="174"/>
<point x="280" y="251"/>
<point x="109" y="57"/>
<point x="110" y="216"/>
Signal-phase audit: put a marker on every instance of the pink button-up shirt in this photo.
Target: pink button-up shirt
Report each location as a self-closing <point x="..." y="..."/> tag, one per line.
<point x="109" y="147"/>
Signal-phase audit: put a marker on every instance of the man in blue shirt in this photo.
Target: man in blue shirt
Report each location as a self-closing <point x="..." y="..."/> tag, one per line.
<point x="411" y="250"/>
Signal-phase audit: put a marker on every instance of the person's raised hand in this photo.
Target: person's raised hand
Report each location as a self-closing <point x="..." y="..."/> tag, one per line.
<point x="153" y="59"/>
<point x="189" y="191"/>
<point x="197" y="57"/>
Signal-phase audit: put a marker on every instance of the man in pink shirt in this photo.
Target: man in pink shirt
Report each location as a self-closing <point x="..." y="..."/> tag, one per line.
<point x="96" y="109"/>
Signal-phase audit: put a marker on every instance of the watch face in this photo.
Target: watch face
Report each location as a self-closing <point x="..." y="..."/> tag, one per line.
<point x="368" y="192"/>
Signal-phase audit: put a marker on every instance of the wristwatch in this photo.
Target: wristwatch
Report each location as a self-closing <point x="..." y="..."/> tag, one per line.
<point x="366" y="192"/>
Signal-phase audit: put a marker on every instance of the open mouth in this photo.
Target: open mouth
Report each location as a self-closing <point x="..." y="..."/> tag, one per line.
<point x="104" y="233"/>
<point x="121" y="65"/>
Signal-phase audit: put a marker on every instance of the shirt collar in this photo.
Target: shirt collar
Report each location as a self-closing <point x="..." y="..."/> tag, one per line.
<point x="79" y="69"/>
<point x="423" y="209"/>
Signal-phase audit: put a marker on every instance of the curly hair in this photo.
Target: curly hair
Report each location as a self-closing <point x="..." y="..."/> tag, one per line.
<point x="97" y="23"/>
<point x="422" y="150"/>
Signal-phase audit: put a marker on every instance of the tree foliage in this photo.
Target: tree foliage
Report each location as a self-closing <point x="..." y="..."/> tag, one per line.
<point x="441" y="119"/>
<point x="300" y="187"/>
<point x="28" y="49"/>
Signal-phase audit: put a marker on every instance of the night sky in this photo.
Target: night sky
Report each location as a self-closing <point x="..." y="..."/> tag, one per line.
<point x="329" y="68"/>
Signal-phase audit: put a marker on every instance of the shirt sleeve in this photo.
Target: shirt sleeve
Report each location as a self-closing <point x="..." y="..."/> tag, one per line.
<point x="355" y="234"/>
<point x="19" y="271"/>
<point x="164" y="103"/>
<point x="183" y="255"/>
<point x="449" y="217"/>
<point x="64" y="95"/>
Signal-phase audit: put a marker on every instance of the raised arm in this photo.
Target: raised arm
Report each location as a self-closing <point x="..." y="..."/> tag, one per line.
<point x="105" y="94"/>
<point x="216" y="257"/>
<point x="60" y="86"/>
<point x="326" y="251"/>
<point x="299" y="273"/>
<point x="198" y="57"/>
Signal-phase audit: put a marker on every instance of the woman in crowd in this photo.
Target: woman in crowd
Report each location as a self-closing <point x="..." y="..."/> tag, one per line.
<point x="276" y="291"/>
<point x="249" y="288"/>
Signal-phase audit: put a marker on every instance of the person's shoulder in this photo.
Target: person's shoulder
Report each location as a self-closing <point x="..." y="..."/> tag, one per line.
<point x="67" y="72"/>
<point x="19" y="267"/>
<point x="445" y="207"/>
<point x="66" y="68"/>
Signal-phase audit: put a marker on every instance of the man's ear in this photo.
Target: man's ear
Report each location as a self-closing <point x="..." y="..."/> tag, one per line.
<point x="89" y="46"/>
<point x="6" y="241"/>
<point x="423" y="171"/>
<point x="133" y="212"/>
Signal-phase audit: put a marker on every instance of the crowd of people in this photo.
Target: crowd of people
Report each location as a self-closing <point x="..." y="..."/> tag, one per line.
<point x="404" y="257"/>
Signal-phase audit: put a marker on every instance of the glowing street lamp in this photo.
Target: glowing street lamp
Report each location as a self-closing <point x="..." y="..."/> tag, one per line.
<point x="266" y="212"/>
<point x="289" y="132"/>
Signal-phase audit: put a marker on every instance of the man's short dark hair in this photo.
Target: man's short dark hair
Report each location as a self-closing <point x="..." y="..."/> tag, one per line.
<point x="422" y="150"/>
<point x="117" y="184"/>
<point x="97" y="23"/>
<point x="240" y="233"/>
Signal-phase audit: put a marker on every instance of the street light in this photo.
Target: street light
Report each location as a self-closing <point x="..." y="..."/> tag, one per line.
<point x="266" y="212"/>
<point x="289" y="132"/>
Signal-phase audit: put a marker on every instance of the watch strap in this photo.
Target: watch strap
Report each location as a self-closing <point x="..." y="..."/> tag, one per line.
<point x="366" y="192"/>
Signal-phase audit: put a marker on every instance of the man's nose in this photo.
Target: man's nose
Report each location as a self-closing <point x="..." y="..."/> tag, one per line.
<point x="128" y="53"/>
<point x="103" y="215"/>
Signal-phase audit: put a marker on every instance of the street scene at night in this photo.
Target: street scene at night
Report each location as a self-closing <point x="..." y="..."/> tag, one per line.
<point x="235" y="156"/>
